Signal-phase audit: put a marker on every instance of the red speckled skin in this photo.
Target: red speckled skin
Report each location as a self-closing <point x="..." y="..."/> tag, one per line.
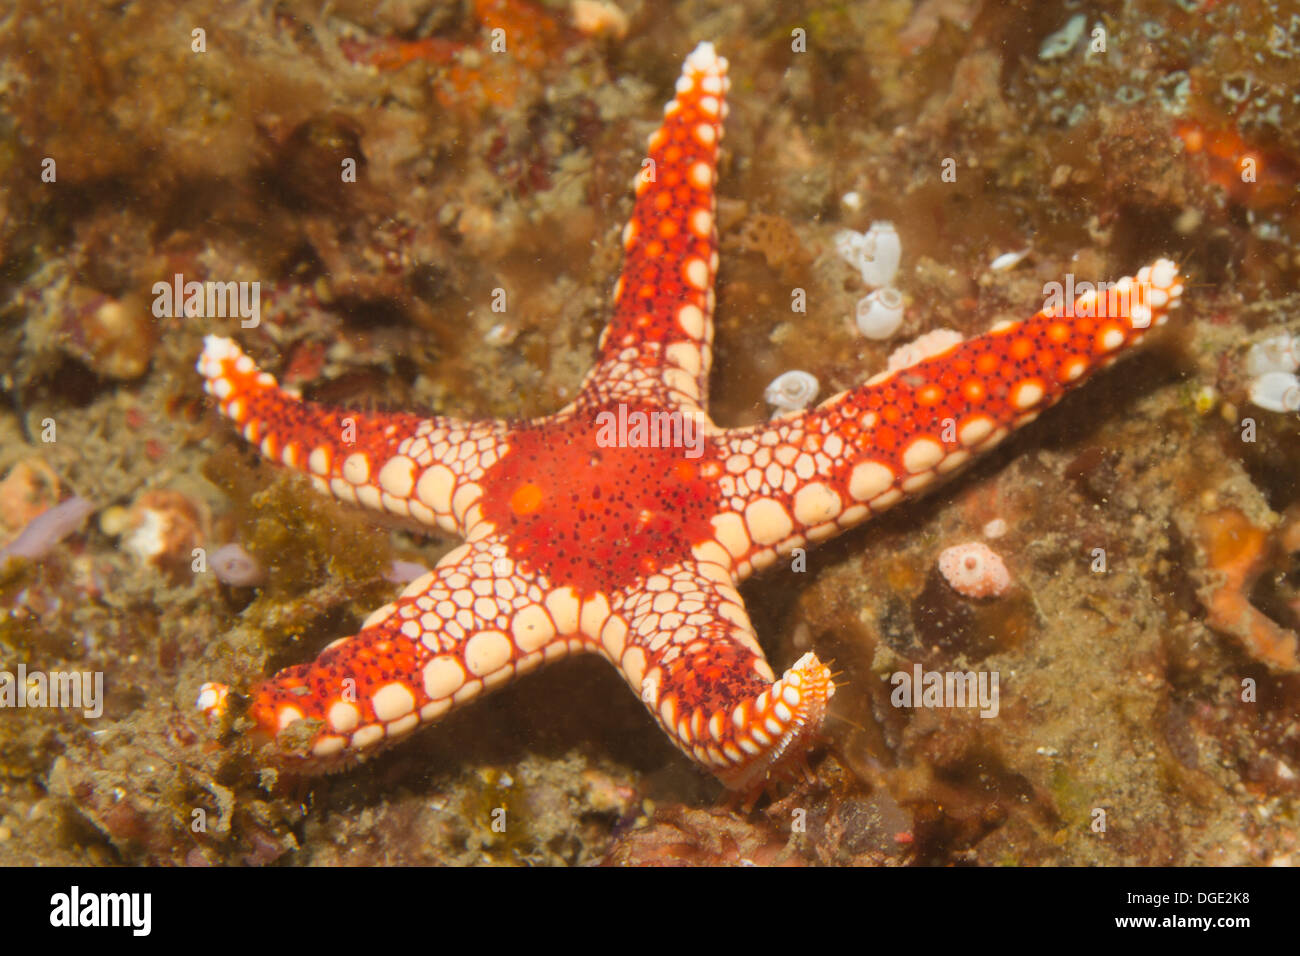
<point x="594" y="530"/>
<point x="580" y="538"/>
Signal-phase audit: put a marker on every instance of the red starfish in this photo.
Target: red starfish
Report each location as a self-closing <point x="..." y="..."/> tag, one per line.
<point x="623" y="523"/>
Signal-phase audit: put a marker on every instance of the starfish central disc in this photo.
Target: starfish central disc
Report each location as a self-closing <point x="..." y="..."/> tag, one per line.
<point x="596" y="507"/>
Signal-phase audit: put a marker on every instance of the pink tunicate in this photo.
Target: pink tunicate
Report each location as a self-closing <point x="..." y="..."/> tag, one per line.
<point x="47" y="529"/>
<point x="236" y="567"/>
<point x="974" y="570"/>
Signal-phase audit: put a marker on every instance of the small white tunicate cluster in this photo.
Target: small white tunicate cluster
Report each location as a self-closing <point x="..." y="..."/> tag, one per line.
<point x="876" y="254"/>
<point x="1281" y="353"/>
<point x="1272" y="366"/>
<point x="792" y="391"/>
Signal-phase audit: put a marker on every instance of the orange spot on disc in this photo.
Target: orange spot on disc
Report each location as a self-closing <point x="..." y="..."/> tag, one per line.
<point x="526" y="500"/>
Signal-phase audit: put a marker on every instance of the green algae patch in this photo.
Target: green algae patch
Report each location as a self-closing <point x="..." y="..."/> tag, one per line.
<point x="320" y="558"/>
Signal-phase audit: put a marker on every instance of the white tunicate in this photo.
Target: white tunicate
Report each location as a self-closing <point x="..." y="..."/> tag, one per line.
<point x="995" y="528"/>
<point x="875" y="253"/>
<point x="884" y="252"/>
<point x="880" y="313"/>
<point x="1063" y="40"/>
<point x="1008" y="260"/>
<point x="1278" y="354"/>
<point x="849" y="246"/>
<point x="792" y="391"/>
<point x="1276" y="392"/>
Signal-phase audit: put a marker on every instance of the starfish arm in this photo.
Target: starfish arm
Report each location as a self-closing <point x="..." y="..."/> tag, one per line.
<point x="468" y="626"/>
<point x="684" y="642"/>
<point x="421" y="468"/>
<point x="808" y="475"/>
<point x="657" y="346"/>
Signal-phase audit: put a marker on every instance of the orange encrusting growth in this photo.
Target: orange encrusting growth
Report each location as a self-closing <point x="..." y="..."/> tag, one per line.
<point x="1254" y="177"/>
<point x="1236" y="554"/>
<point x="630" y="542"/>
<point x="516" y="39"/>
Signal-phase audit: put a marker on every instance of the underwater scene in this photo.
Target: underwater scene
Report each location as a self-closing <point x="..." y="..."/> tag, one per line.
<point x="609" y="432"/>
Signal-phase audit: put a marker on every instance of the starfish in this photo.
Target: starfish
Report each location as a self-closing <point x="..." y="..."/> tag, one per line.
<point x="623" y="523"/>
